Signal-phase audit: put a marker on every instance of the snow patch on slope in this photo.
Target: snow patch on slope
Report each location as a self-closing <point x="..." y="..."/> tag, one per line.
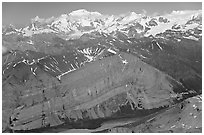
<point x="192" y="38"/>
<point x="111" y="51"/>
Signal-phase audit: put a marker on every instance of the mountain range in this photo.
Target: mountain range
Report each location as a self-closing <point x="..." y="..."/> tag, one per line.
<point x="77" y="23"/>
<point x="85" y="69"/>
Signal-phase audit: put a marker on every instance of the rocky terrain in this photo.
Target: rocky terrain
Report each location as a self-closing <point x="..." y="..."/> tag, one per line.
<point x="88" y="72"/>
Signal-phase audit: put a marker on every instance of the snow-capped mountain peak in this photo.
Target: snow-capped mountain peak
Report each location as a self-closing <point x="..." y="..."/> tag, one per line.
<point x="37" y="19"/>
<point x="131" y="17"/>
<point x="83" y="12"/>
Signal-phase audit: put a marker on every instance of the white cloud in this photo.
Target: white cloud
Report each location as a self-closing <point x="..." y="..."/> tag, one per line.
<point x="144" y="12"/>
<point x="155" y="14"/>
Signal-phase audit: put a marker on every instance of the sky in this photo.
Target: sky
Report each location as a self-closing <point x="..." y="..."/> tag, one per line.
<point x="20" y="13"/>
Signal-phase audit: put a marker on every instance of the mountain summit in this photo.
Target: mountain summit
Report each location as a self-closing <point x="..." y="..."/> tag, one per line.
<point x="83" y="12"/>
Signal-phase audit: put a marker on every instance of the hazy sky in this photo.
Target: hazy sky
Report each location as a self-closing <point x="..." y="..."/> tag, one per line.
<point x="21" y="13"/>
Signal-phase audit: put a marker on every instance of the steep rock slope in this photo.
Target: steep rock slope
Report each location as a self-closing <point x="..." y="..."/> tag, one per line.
<point x="97" y="90"/>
